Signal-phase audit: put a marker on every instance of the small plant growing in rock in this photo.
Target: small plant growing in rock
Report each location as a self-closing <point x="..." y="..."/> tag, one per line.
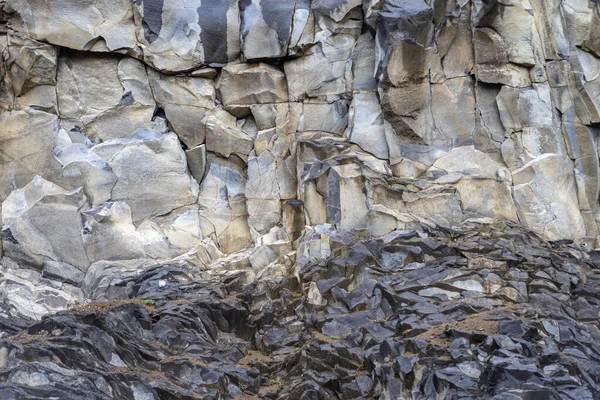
<point x="281" y="383"/>
<point x="150" y="303"/>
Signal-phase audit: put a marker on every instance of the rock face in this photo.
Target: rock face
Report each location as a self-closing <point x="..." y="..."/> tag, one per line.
<point x="268" y="146"/>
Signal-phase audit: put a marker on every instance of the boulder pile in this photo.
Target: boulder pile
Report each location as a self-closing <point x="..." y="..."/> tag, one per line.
<point x="497" y="314"/>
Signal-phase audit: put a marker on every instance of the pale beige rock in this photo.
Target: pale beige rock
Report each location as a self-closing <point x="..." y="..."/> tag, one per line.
<point x="30" y="217"/>
<point x="455" y="44"/>
<point x="268" y="183"/>
<point x="178" y="234"/>
<point x="26" y="293"/>
<point x="152" y="173"/>
<point x="76" y="25"/>
<point x="487" y="198"/>
<point x="550" y="26"/>
<point x="92" y="95"/>
<point x="263" y="214"/>
<point x="546" y="197"/>
<point x="327" y="117"/>
<point x="489" y="46"/>
<point x="364" y="62"/>
<point x="110" y="233"/>
<point x="88" y="84"/>
<point x="182" y="230"/>
<point x="517" y="107"/>
<point x="590" y="65"/>
<point x="120" y="122"/>
<point x="266" y="31"/>
<point x="26" y="139"/>
<point x="287" y="118"/>
<point x="408" y="99"/>
<point x="336" y="198"/>
<point x="30" y="64"/>
<point x="185" y="101"/>
<point x="224" y="137"/>
<point x="42" y="98"/>
<point x="469" y="162"/>
<point x="223" y="212"/>
<point x="252" y="83"/>
<point x="314" y="297"/>
<point x="436" y="206"/>
<point x="488" y="116"/>
<point x="408" y="62"/>
<point x="516" y="27"/>
<point x="453" y="108"/>
<point x="209" y="73"/>
<point x="324" y="70"/>
<point x="133" y="77"/>
<point x="263" y="178"/>
<point x="505" y="74"/>
<point x="182" y="90"/>
<point x="578" y="15"/>
<point x="367" y="127"/>
<point x="262" y="257"/>
<point x="84" y="168"/>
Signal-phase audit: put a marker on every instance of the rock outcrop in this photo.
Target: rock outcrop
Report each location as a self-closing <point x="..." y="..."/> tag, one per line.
<point x="292" y="155"/>
<point x="498" y="314"/>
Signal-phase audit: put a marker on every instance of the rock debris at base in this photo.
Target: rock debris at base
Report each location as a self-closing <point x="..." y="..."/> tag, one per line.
<point x="496" y="314"/>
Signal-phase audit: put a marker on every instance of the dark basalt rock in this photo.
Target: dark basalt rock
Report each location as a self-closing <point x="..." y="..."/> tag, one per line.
<point x="212" y="17"/>
<point x="386" y="328"/>
<point x="152" y="18"/>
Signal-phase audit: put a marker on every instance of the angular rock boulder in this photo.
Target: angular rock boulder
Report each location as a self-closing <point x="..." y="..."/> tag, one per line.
<point x="76" y="25"/>
<point x="185" y="101"/>
<point x="30" y="219"/>
<point x="151" y="171"/>
<point x="252" y="83"/>
<point x="183" y="35"/>
<point x="27" y="140"/>
<point x="92" y="96"/>
<point x="548" y="205"/>
<point x="223" y="211"/>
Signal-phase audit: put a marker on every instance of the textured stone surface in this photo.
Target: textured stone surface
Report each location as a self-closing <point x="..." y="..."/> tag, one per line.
<point x="151" y="171"/>
<point x="30" y="219"/>
<point x="27" y="138"/>
<point x="516" y="317"/>
<point x="251" y="84"/>
<point x="358" y="174"/>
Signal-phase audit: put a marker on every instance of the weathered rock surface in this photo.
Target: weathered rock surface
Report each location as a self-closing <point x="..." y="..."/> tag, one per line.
<point x="424" y="74"/>
<point x="494" y="314"/>
<point x="332" y="194"/>
<point x="30" y="219"/>
<point x="151" y="171"/>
